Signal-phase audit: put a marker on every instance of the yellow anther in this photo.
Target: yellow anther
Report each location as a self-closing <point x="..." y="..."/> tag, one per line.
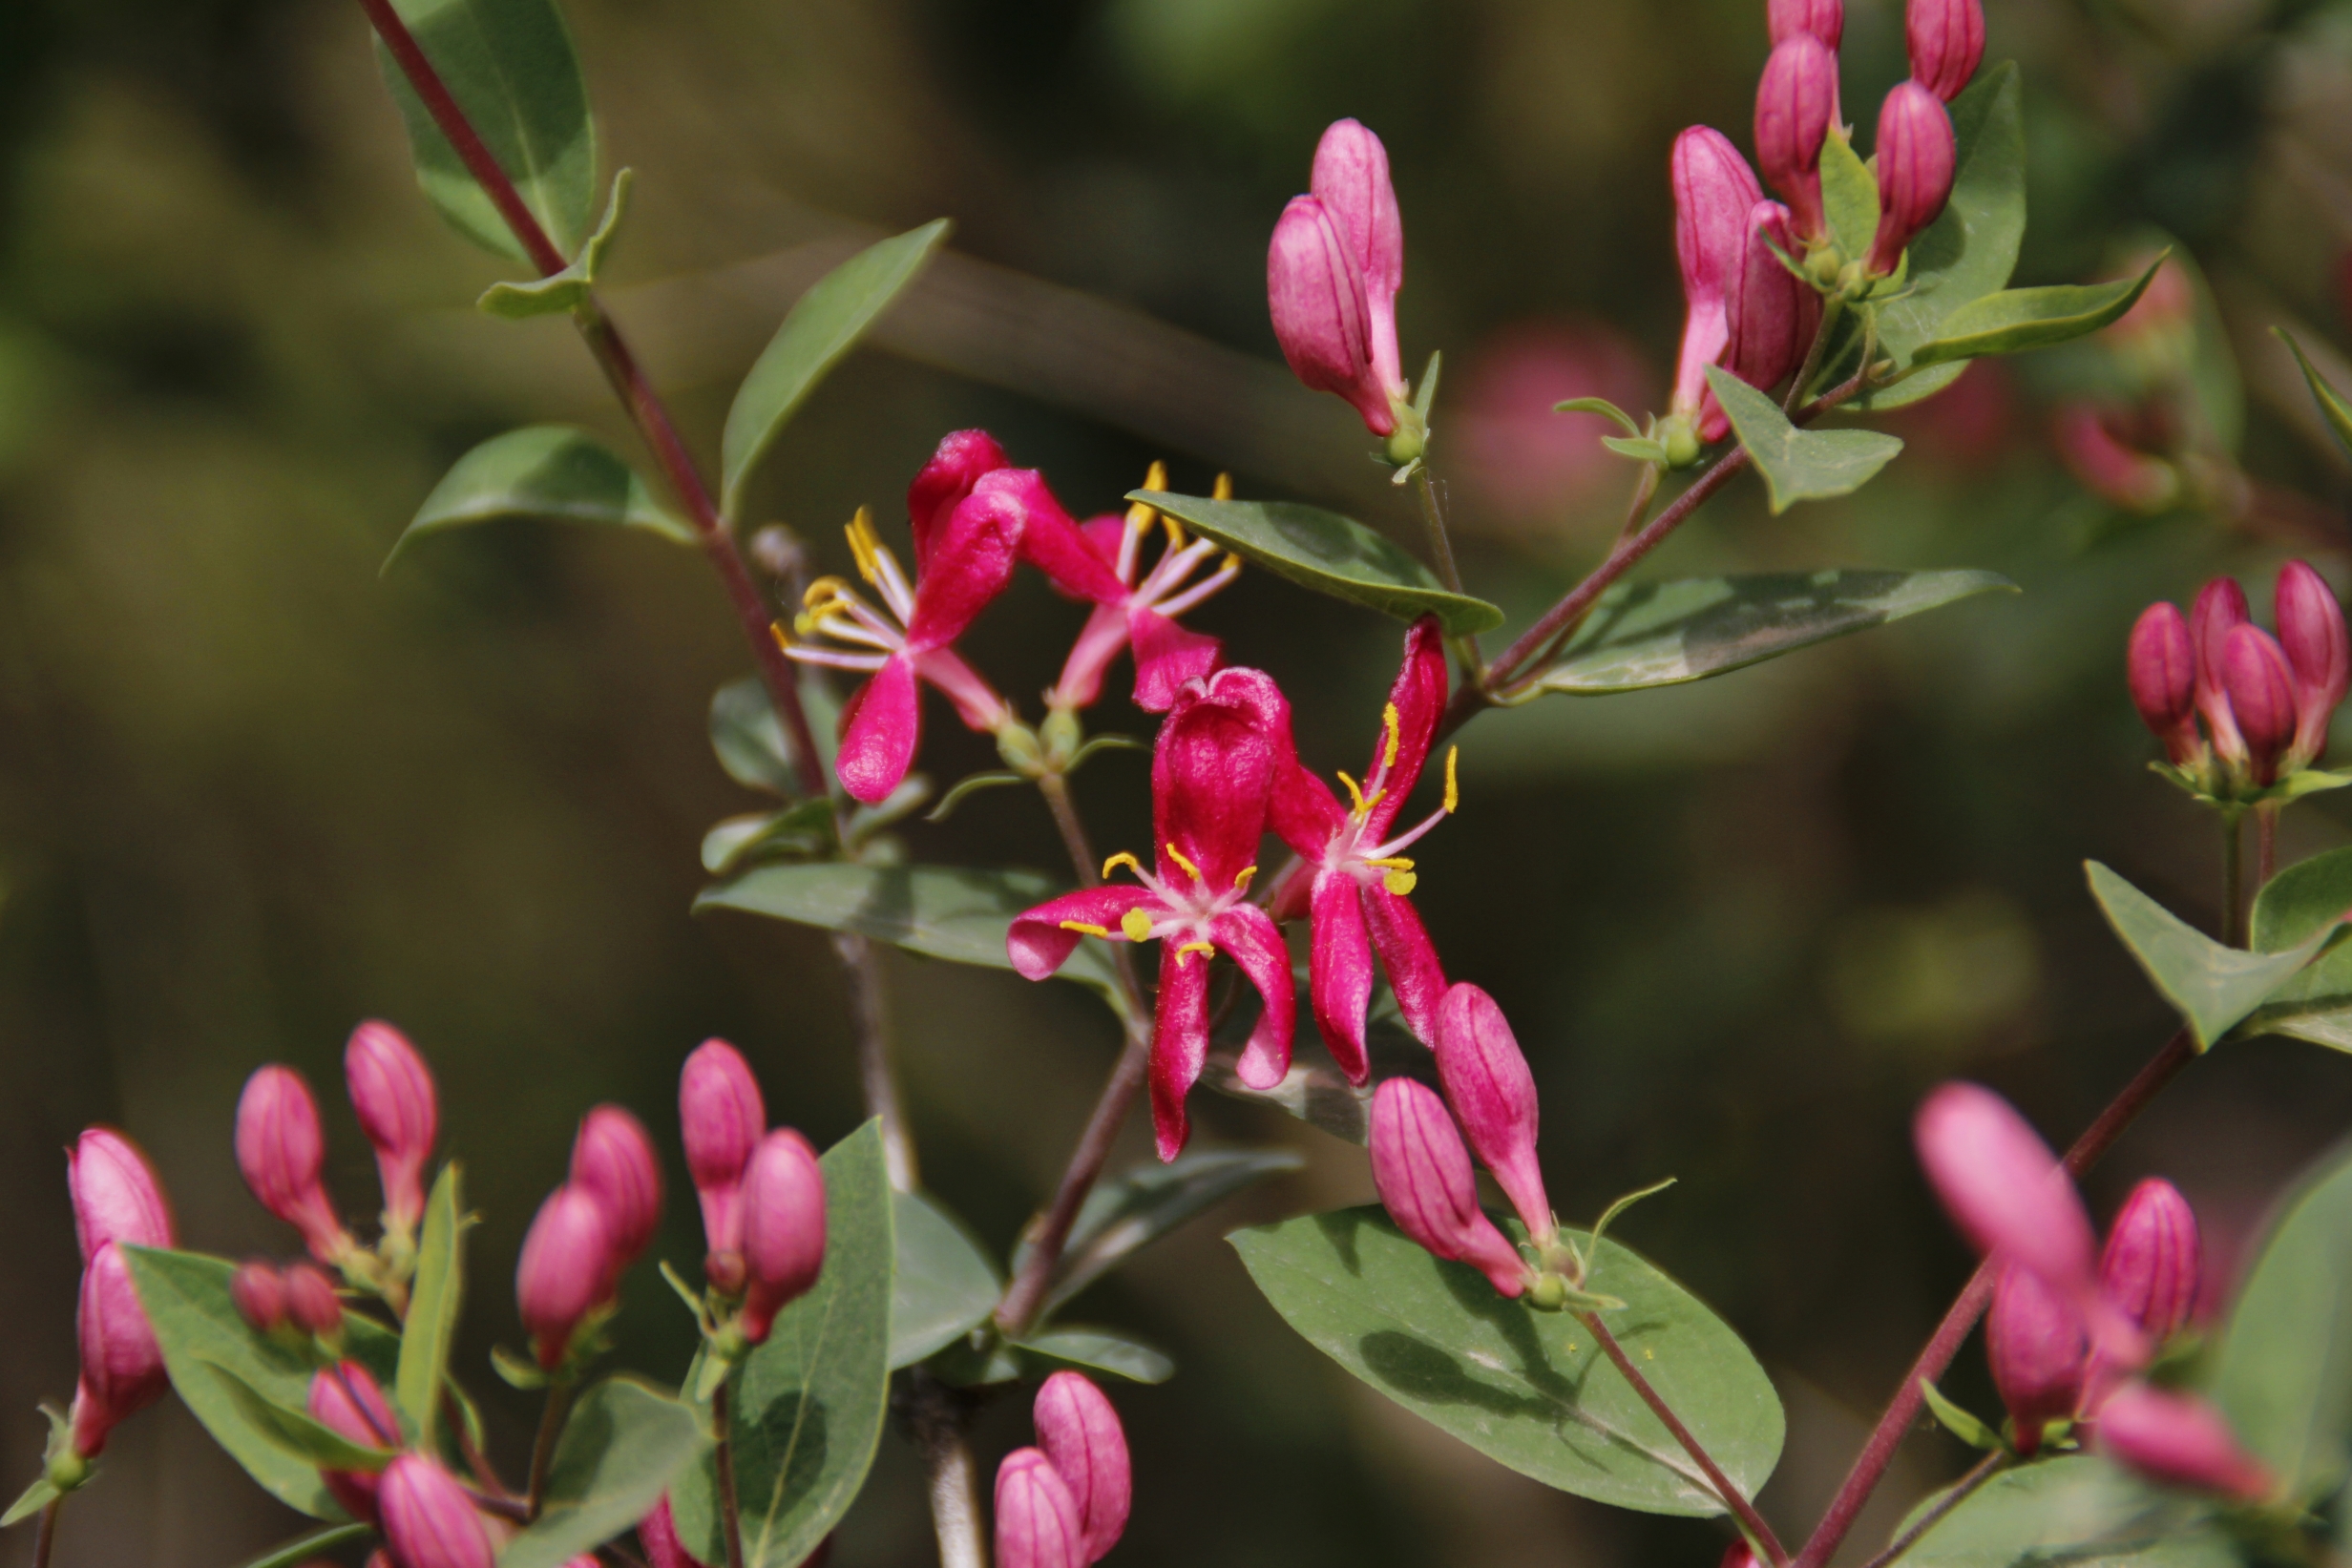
<point x="784" y="639"/>
<point x="1208" y="947"/>
<point x="1392" y="722"/>
<point x="1452" y="785"/>
<point x="1399" y="883"/>
<point x="1395" y="863"/>
<point x="1135" y="923"/>
<point x="1085" y="927"/>
<point x="1354" y="794"/>
<point x="863" y="544"/>
<point x="1155" y="477"/>
<point x="1122" y="858"/>
<point x="1242" y="880"/>
<point x="1140" y="515"/>
<point x="805" y="624"/>
<point x="1223" y="489"/>
<point x="1231" y="563"/>
<point x="1175" y="531"/>
<point x="1177" y="856"/>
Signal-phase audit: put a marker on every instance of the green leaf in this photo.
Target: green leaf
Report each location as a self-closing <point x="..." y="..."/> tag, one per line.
<point x="304" y="1548"/>
<point x="1101" y="1350"/>
<point x="1145" y="1203"/>
<point x="809" y="1404"/>
<point x="549" y="472"/>
<point x="1662" y="634"/>
<point x="1798" y="465"/>
<point x="1328" y="553"/>
<point x="569" y="289"/>
<point x="805" y="829"/>
<point x="941" y="912"/>
<point x="2016" y="320"/>
<point x="1959" y="1422"/>
<point x="750" y="738"/>
<point x="2210" y="985"/>
<point x="433" y="1300"/>
<point x="35" y="1498"/>
<point x="622" y="1446"/>
<point x="2332" y="405"/>
<point x="1529" y="1389"/>
<point x="1598" y="405"/>
<point x="511" y="68"/>
<point x="296" y="1431"/>
<point x="2078" y="1511"/>
<point x="2284" y="1373"/>
<point x="945" y="1286"/>
<point x="2308" y="898"/>
<point x="822" y="327"/>
<point x="1849" y="196"/>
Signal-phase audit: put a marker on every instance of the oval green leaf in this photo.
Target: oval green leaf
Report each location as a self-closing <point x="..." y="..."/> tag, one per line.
<point x="1329" y="554"/>
<point x="1529" y="1389"/>
<point x="622" y="1446"/>
<point x="1142" y="1203"/>
<point x="2211" y="985"/>
<point x="2284" y="1373"/>
<point x="2016" y="320"/>
<point x="554" y="473"/>
<point x="822" y="327"/>
<point x="946" y="1285"/>
<point x="2079" y="1511"/>
<point x="511" y="66"/>
<point x="1800" y="465"/>
<point x="2307" y="899"/>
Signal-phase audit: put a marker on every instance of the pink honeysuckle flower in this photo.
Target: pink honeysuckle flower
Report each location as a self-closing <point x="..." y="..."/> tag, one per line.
<point x="1947" y="39"/>
<point x="2180" y="1440"/>
<point x="1080" y="1433"/>
<point x="2261" y="691"/>
<point x="1138" y="608"/>
<point x="2311" y="630"/>
<point x="1212" y="773"/>
<point x="1356" y="878"/>
<point x="1916" y="155"/>
<point x="1332" y="270"/>
<point x="964" y="458"/>
<point x="1714" y="194"/>
<point x="1769" y="315"/>
<point x="1795" y="105"/>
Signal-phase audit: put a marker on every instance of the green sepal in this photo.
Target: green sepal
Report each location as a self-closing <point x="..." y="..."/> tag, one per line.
<point x="517" y="1372"/>
<point x="570" y="288"/>
<point x="1639" y="448"/>
<point x="1598" y="405"/>
<point x="35" y="1498"/>
<point x="1959" y="1422"/>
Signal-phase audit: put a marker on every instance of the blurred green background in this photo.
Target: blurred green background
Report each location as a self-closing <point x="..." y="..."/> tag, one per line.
<point x="251" y="793"/>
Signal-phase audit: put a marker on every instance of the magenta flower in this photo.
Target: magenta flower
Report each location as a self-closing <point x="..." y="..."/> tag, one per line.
<point x="1493" y="1096"/>
<point x="565" y="1271"/>
<point x="1770" y="314"/>
<point x="393" y="1091"/>
<point x="2178" y="1439"/>
<point x="1212" y="772"/>
<point x="658" y="1534"/>
<point x="116" y="1197"/>
<point x="1138" y="608"/>
<point x="1333" y="271"/>
<point x="2311" y="630"/>
<point x="121" y="1365"/>
<point x="721" y="1118"/>
<point x="613" y="1160"/>
<point x="1080" y="1433"/>
<point x="1038" y="1523"/>
<point x="2035" y="1346"/>
<point x="1714" y="195"/>
<point x="1824" y="19"/>
<point x="429" y="1521"/>
<point x="1917" y="155"/>
<point x="1356" y="877"/>
<point x="1422" y="1173"/>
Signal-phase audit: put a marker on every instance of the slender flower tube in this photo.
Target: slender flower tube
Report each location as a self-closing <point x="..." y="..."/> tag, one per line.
<point x="721" y="1118"/>
<point x="1138" y="609"/>
<point x="393" y="1091"/>
<point x="658" y="1534"/>
<point x="121" y="1365"/>
<point x="2262" y="694"/>
<point x="1038" y="1524"/>
<point x="2110" y="468"/>
<point x="281" y="1151"/>
<point x="1715" y="192"/>
<point x="1213" y="770"/>
<point x="2035" y="1345"/>
<point x="258" y="1292"/>
<point x="613" y="1160"/>
<point x="2161" y="665"/>
<point x="1824" y="19"/>
<point x="1493" y="1096"/>
<point x="427" y="1519"/>
<point x="1314" y="292"/>
<point x="311" y="1303"/>
<point x="1081" y="1435"/>
<point x="565" y="1270"/>
<point x="345" y="1400"/>
<point x="784" y="1228"/>
<point x="1795" y="104"/>
<point x="2153" y="1262"/>
<point x="1422" y="1173"/>
<point x="1361" y="879"/>
<point x="1917" y="155"/>
<point x="116" y="1197"/>
<point x="1947" y="39"/>
<point x="2179" y="1440"/>
<point x="2220" y="608"/>
<point x="2311" y="631"/>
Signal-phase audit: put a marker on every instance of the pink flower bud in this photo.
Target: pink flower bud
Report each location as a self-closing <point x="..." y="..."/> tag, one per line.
<point x="614" y="1159"/>
<point x="1493" y="1094"/>
<point x="721" y="1118"/>
<point x="2261" y="693"/>
<point x="1917" y="155"/>
<point x="1947" y="40"/>
<point x="2110" y="468"/>
<point x="427" y="1519"/>
<point x="1037" y="1518"/>
<point x="345" y="1400"/>
<point x="658" y="1533"/>
<point x="1796" y="102"/>
<point x="116" y="1197"/>
<point x="2035" y="1345"/>
<point x="2311" y="631"/>
<point x="392" y="1089"/>
<point x="1738" y="1554"/>
<point x="122" y="1366"/>
<point x="281" y="1151"/>
<point x="1824" y="19"/>
<point x="1351" y="180"/>
<point x="258" y="1291"/>
<point x="2003" y="1188"/>
<point x="784" y="1228"/>
<point x="1422" y="1173"/>
<point x="1714" y="194"/>
<point x="2161" y="665"/>
<point x="311" y="1303"/>
<point x="1770" y="314"/>
<point x="2221" y="607"/>
<point x="565" y="1270"/>
<point x="1322" y="317"/>
<point x="1081" y="1433"/>
<point x="2179" y="1440"/>
<point x="2154" y="1264"/>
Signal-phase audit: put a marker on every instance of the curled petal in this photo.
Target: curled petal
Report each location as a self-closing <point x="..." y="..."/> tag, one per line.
<point x="1040" y="940"/>
<point x="880" y="725"/>
<point x="1166" y="656"/>
<point x="1339" y="972"/>
<point x="1250" y="936"/>
<point x="1304" y="811"/>
<point x="1179" y="1043"/>
<point x="972" y="557"/>
<point x="962" y="459"/>
<point x="1409" y="957"/>
<point x="1051" y="541"/>
<point x="1419" y="697"/>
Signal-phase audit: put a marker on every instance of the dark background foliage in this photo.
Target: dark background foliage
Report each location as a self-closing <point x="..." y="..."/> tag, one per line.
<point x="250" y="793"/>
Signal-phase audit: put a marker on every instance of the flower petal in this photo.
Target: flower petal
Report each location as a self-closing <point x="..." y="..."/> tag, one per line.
<point x="1102" y="639"/>
<point x="1179" y="1043"/>
<point x="879" y="727"/>
<point x="1167" y="656"/>
<point x="1051" y="541"/>
<point x="1418" y="698"/>
<point x="1409" y="957"/>
<point x="1211" y="771"/>
<point x="962" y="457"/>
<point x="977" y="702"/>
<point x="1037" y="945"/>
<point x="1304" y="811"/>
<point x="1339" y="972"/>
<point x="970" y="562"/>
<point x="1255" y="943"/>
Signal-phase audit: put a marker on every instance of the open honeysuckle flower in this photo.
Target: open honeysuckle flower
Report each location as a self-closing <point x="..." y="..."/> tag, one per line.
<point x="1355" y="877"/>
<point x="1135" y="608"/>
<point x="1213" y="770"/>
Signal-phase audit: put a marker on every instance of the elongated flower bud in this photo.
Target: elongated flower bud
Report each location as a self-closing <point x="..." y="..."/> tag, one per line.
<point x="1314" y="292"/>
<point x="393" y="1091"/>
<point x="116" y="1197"/>
<point x="121" y="1365"/>
<point x="1824" y="19"/>
<point x="2110" y="468"/>
<point x="721" y="1118"/>
<point x="258" y="1291"/>
<point x="2003" y="1188"/>
<point x="1037" y="1518"/>
<point x="281" y="1151"/>
<point x="1714" y="193"/>
<point x="1796" y="102"/>
<point x="2161" y="667"/>
<point x="427" y="1519"/>
<point x="2221" y="607"/>
<point x="2153" y="1262"/>
<point x="2261" y="693"/>
<point x="658" y="1533"/>
<point x="1917" y="155"/>
<point x="2035" y="1345"/>
<point x="613" y="1158"/>
<point x="566" y="1268"/>
<point x="1351" y="181"/>
<point x="2311" y="631"/>
<point x="1081" y="1433"/>
<point x="345" y="1400"/>
<point x="311" y="1303"/>
<point x="1770" y="314"/>
<point x="1493" y="1094"/>
<point x="784" y="1228"/>
<point x="1947" y="38"/>
<point x="1422" y="1173"/>
<point x="2179" y="1440"/>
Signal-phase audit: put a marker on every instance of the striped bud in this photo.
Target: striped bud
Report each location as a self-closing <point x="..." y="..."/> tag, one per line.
<point x="1037" y="1518"/>
<point x="311" y="1303"/>
<point x="116" y="1197"/>
<point x="121" y="1365"/>
<point x="1947" y="39"/>
<point x="1314" y="292"/>
<point x="1422" y="1173"/>
<point x="1796" y="102"/>
<point x="1351" y="178"/>
<point x="721" y="1118"/>
<point x="393" y="1091"/>
<point x="1492" y="1092"/>
<point x="614" y="1159"/>
<point x="427" y="1519"/>
<point x="1824" y="19"/>
<point x="2160" y="664"/>
<point x="345" y="1400"/>
<point x="1917" y="155"/>
<point x="1080" y="1433"/>
<point x="784" y="1228"/>
<point x="258" y="1291"/>
<point x="2220" y="608"/>
<point x="2035" y="1345"/>
<point x="281" y="1151"/>
<point x="566" y="1269"/>
<point x="2153" y="1264"/>
<point x="2262" y="694"/>
<point x="2311" y="631"/>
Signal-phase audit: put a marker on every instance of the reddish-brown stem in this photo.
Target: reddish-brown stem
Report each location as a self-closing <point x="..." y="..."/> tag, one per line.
<point x="1960" y="1492"/>
<point x="45" y="1538"/>
<point x="1026" y="1295"/>
<point x="722" y="1464"/>
<point x="1870" y="1466"/>
<point x="1750" y="1521"/>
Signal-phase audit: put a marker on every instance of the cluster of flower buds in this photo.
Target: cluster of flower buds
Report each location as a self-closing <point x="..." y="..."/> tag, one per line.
<point x="1064" y="1503"/>
<point x="761" y="1192"/>
<point x="298" y="1302"/>
<point x="587" y="1233"/>
<point x="118" y="1202"/>
<point x="2265" y="702"/>
<point x="2071" y="1325"/>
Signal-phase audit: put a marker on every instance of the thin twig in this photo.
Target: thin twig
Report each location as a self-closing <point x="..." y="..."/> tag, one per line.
<point x="543" y="1447"/>
<point x="1433" y="521"/>
<point x="1017" y="1314"/>
<point x="485" y="1474"/>
<point x="1749" y="1521"/>
<point x="1831" y="309"/>
<point x="45" y="1538"/>
<point x="940" y="1417"/>
<point x="722" y="1455"/>
<point x="2233" y="879"/>
<point x="1960" y="1492"/>
<point x="870" y="1017"/>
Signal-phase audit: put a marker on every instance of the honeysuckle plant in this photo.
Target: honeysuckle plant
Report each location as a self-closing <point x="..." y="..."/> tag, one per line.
<point x="2147" y="1416"/>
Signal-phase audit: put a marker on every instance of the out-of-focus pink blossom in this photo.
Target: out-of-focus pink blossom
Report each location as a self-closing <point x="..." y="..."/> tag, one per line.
<point x="2311" y="633"/>
<point x="311" y="1303"/>
<point x="2035" y="1345"/>
<point x="281" y="1151"/>
<point x="1525" y="465"/>
<point x="121" y="1365"/>
<point x="116" y="1197"/>
<point x="393" y="1092"/>
<point x="345" y="1400"/>
<point x="427" y="1519"/>
<point x="566" y="1269"/>
<point x="613" y="1160"/>
<point x="2110" y="468"/>
<point x="2261" y="693"/>
<point x="1422" y="1173"/>
<point x="2180" y="1440"/>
